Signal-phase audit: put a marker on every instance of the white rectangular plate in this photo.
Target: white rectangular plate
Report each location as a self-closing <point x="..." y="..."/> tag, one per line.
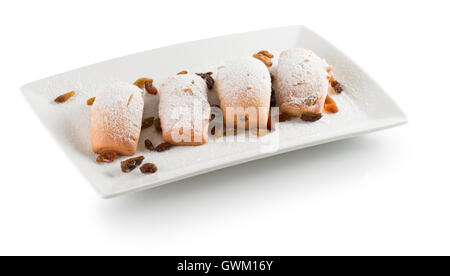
<point x="364" y="107"/>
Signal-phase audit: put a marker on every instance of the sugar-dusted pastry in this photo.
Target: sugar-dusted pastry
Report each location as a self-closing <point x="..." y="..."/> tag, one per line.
<point x="116" y="119"/>
<point x="302" y="83"/>
<point x="244" y="88"/>
<point x="184" y="110"/>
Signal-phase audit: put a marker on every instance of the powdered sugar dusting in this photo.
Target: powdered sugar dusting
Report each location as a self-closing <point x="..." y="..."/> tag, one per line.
<point x="302" y="78"/>
<point x="117" y="111"/>
<point x="183" y="102"/>
<point x="243" y="82"/>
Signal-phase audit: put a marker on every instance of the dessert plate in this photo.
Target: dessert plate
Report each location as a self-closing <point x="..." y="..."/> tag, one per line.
<point x="364" y="107"/>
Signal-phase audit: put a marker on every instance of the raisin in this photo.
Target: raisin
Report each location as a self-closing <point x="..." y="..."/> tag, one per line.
<point x="184" y="72"/>
<point x="148" y="122"/>
<point x="106" y="157"/>
<point x="213" y="130"/>
<point x="141" y="82"/>
<point x="208" y="79"/>
<point x="283" y="118"/>
<point x="158" y="124"/>
<point x="131" y="164"/>
<point x="163" y="147"/>
<point x="266" y="53"/>
<point x="311" y="117"/>
<point x="204" y="75"/>
<point x="264" y="59"/>
<point x="330" y="105"/>
<point x="90" y="101"/>
<point x="64" y="97"/>
<point x="150" y="88"/>
<point x="148" y="168"/>
<point x="213" y="116"/>
<point x="337" y="86"/>
<point x="149" y="144"/>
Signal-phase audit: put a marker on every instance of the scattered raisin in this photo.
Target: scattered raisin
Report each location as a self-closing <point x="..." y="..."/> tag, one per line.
<point x="184" y="72"/>
<point x="208" y="79"/>
<point x="148" y="168"/>
<point x="330" y="105"/>
<point x="149" y="144"/>
<point x="266" y="53"/>
<point x="213" y="130"/>
<point x="106" y="157"/>
<point x="337" y="86"/>
<point x="158" y="124"/>
<point x="163" y="147"/>
<point x="64" y="97"/>
<point x="131" y="164"/>
<point x="141" y="82"/>
<point x="150" y="88"/>
<point x="264" y="59"/>
<point x="148" y="122"/>
<point x="203" y="75"/>
<point x="213" y="116"/>
<point x="90" y="101"/>
<point x="311" y="117"/>
<point x="283" y="118"/>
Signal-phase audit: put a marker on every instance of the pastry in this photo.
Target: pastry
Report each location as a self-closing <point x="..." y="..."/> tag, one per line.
<point x="244" y="88"/>
<point x="302" y="81"/>
<point x="184" y="110"/>
<point x="116" y="119"/>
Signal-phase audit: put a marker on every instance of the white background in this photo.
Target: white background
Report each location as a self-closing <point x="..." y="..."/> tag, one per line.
<point x="383" y="193"/>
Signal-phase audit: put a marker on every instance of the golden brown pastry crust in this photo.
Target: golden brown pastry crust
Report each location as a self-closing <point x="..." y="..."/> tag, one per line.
<point x="116" y="118"/>
<point x="302" y="82"/>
